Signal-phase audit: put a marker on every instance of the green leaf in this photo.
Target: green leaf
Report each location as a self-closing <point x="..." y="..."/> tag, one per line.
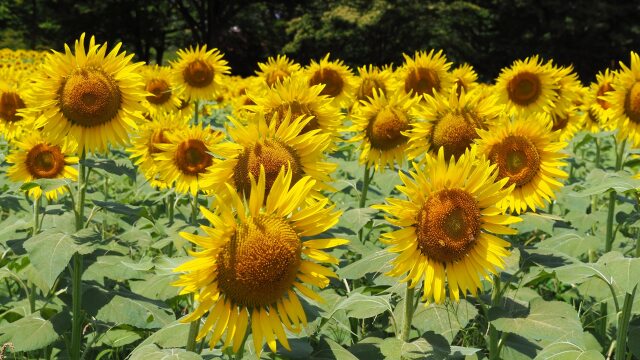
<point x="110" y="267"/>
<point x="534" y="222"/>
<point x="599" y="182"/>
<point x="566" y="350"/>
<point x="171" y="335"/>
<point x="580" y="272"/>
<point x="355" y="219"/>
<point x="29" y="333"/>
<point x="132" y="212"/>
<point x="571" y="243"/>
<point x="118" y="338"/>
<point x="335" y="351"/>
<point x="378" y="262"/>
<point x="446" y="320"/>
<point x="362" y="306"/>
<point x="152" y="352"/>
<point x="116" y="167"/>
<point x="157" y="287"/>
<point x="546" y="320"/>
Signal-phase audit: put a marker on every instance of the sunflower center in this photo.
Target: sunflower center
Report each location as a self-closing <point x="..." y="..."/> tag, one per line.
<point x="160" y="90"/>
<point x="385" y="129"/>
<point x="260" y="262"/>
<point x="198" y="74"/>
<point x="524" y="88"/>
<point x="333" y="82"/>
<point x="455" y="131"/>
<point x="460" y="85"/>
<point x="365" y="90"/>
<point x="603" y="89"/>
<point x="422" y="81"/>
<point x="45" y="161"/>
<point x="448" y="225"/>
<point x="632" y="103"/>
<point x="192" y="157"/>
<point x="297" y="109"/>
<point x="517" y="158"/>
<point x="273" y="155"/>
<point x="275" y="76"/>
<point x="157" y="138"/>
<point x="89" y="97"/>
<point x="10" y="103"/>
<point x="559" y="122"/>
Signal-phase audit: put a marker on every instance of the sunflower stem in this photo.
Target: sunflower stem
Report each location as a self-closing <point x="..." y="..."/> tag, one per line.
<point x="597" y="161"/>
<point x="36" y="215"/>
<point x="195" y="112"/>
<point x="193" y="331"/>
<point x="408" y="313"/>
<point x="76" y="284"/>
<point x="494" y="334"/>
<point x="610" y="234"/>
<point x="195" y="325"/>
<point x="171" y="206"/>
<point x="368" y="175"/>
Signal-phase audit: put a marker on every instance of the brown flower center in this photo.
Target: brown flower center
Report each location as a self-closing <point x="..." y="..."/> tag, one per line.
<point x="632" y="103"/>
<point x="10" y="103"/>
<point x="157" y="138"/>
<point x="297" y="109"/>
<point x="160" y="90"/>
<point x="447" y="225"/>
<point x="385" y="129"/>
<point x="455" y="131"/>
<point x="260" y="262"/>
<point x="45" y="161"/>
<point x="517" y="158"/>
<point x="524" y="88"/>
<point x="276" y="75"/>
<point x="89" y="97"/>
<point x="422" y="81"/>
<point x="559" y="122"/>
<point x="198" y="74"/>
<point x="273" y="155"/>
<point x="333" y="82"/>
<point x="192" y="157"/>
<point x="365" y="91"/>
<point x="602" y="90"/>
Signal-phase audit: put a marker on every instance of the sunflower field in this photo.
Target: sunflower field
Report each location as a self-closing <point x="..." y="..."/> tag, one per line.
<point x="316" y="211"/>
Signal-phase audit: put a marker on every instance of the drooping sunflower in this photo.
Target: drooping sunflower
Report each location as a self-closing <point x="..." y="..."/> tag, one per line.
<point x="379" y="124"/>
<point x="371" y="79"/>
<point x="447" y="225"/>
<point x="184" y="160"/>
<point x="272" y="145"/>
<point x="199" y="71"/>
<point x="425" y="73"/>
<point x="163" y="95"/>
<point x="336" y="77"/>
<point x="465" y="78"/>
<point x="254" y="257"/>
<point x="624" y="100"/>
<point x="91" y="96"/>
<point x="143" y="144"/>
<point x="296" y="96"/>
<point x="526" y="87"/>
<point x="525" y="152"/>
<point x="450" y="121"/>
<point x="38" y="157"/>
<point x="277" y="69"/>
<point x="597" y="93"/>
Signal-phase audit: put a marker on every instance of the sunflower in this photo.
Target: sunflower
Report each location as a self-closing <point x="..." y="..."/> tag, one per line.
<point x="12" y="99"/>
<point x="526" y="87"/>
<point x="143" y="145"/>
<point x="624" y="100"/>
<point x="371" y="79"/>
<point x="447" y="225"/>
<point x="568" y="90"/>
<point x="379" y="123"/>
<point x="91" y="96"/>
<point x="162" y="95"/>
<point x="296" y="96"/>
<point x="425" y="73"/>
<point x="277" y="69"/>
<point x="199" y="72"/>
<point x="598" y="90"/>
<point x="255" y="256"/>
<point x="526" y="154"/>
<point x="186" y="157"/>
<point x="465" y="77"/>
<point x="335" y="77"/>
<point x="37" y="157"/>
<point x="272" y="145"/>
<point x="450" y="121"/>
<point x="566" y="123"/>
<point x="184" y="109"/>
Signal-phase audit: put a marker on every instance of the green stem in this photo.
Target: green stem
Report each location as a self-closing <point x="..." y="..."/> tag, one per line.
<point x="610" y="213"/>
<point x="494" y="334"/>
<point x="623" y="325"/>
<point x="32" y="298"/>
<point x="408" y="313"/>
<point x="195" y="112"/>
<point x="36" y="215"/>
<point x="597" y="161"/>
<point x="368" y="175"/>
<point x="76" y="285"/>
<point x="171" y="206"/>
<point x="195" y="325"/>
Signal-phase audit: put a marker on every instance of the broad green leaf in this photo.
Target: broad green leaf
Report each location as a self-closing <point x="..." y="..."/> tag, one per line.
<point x="599" y="182"/>
<point x="152" y="352"/>
<point x="118" y="337"/>
<point x="334" y="351"/>
<point x="132" y="212"/>
<point x="116" y="167"/>
<point x="172" y="335"/>
<point x="446" y="320"/>
<point x="46" y="184"/>
<point x="571" y="243"/>
<point x="566" y="350"/>
<point x="29" y="333"/>
<point x="355" y="219"/>
<point x="110" y="267"/>
<point x="378" y="262"/>
<point x="534" y="222"/>
<point x="362" y="306"/>
<point x="580" y="272"/>
<point x="157" y="287"/>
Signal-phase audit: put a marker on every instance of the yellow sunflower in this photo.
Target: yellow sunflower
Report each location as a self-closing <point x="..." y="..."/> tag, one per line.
<point x="296" y="96"/>
<point x="526" y="154"/>
<point x="526" y="87"/>
<point x="184" y="109"/>
<point x="335" y="77"/>
<point x="447" y="225"/>
<point x="91" y="96"/>
<point x="184" y="160"/>
<point x="371" y="79"/>
<point x="568" y="90"/>
<point x="254" y="257"/>
<point x="425" y="73"/>
<point x="277" y="69"/>
<point x="566" y="123"/>
<point x="598" y="90"/>
<point x="143" y="144"/>
<point x="37" y="157"/>
<point x="199" y="72"/>
<point x="450" y="121"/>
<point x="625" y="100"/>
<point x="379" y="124"/>
<point x="162" y="95"/>
<point x="465" y="77"/>
<point x="272" y="145"/>
<point x="12" y="99"/>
